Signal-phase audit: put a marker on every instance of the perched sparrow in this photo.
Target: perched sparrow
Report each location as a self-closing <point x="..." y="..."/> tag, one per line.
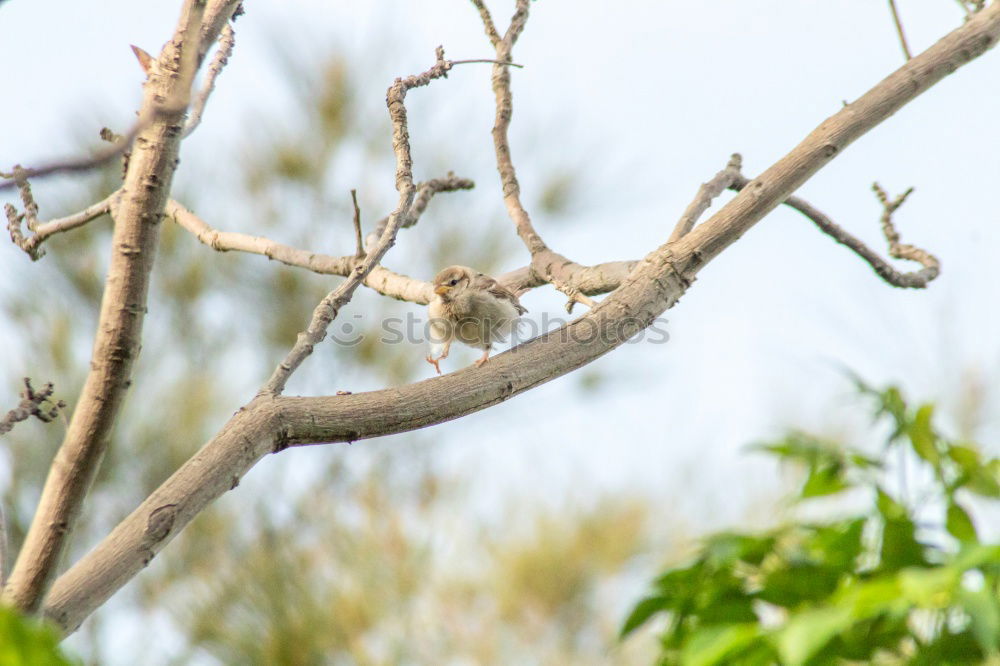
<point x="472" y="308"/>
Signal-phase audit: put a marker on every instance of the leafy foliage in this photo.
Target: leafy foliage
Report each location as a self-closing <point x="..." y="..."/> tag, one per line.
<point x="879" y="587"/>
<point x="25" y="642"/>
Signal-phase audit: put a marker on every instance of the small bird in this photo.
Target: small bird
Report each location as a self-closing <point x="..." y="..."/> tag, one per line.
<point x="472" y="308"/>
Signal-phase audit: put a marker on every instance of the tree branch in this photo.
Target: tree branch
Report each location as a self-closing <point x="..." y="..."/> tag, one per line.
<point x="270" y="423"/>
<point x="42" y="231"/>
<point x="706" y="193"/>
<point x="425" y="192"/>
<point x="123" y="307"/>
<point x="899" y="29"/>
<point x="31" y="405"/>
<point x="227" y="40"/>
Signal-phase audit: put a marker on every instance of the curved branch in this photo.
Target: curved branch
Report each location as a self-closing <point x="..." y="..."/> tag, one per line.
<point x="271" y="423"/>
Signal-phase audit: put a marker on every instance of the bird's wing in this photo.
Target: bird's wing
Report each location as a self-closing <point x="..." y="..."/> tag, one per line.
<point x="497" y="290"/>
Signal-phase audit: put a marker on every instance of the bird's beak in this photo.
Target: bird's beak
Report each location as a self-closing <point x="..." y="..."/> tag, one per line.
<point x="441" y="290"/>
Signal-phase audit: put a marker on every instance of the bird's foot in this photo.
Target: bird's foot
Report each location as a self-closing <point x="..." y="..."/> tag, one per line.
<point x="483" y="360"/>
<point x="434" y="362"/>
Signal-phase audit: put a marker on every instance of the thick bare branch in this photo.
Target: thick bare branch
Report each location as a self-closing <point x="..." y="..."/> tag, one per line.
<point x="123" y="307"/>
<point x="270" y="423"/>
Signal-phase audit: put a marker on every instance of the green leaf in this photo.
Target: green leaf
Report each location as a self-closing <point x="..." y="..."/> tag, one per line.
<point x="889" y="507"/>
<point x="892" y="403"/>
<point x="965" y="456"/>
<point x="824" y="479"/>
<point x="974" y="556"/>
<point x="922" y="435"/>
<point x="929" y="588"/>
<point x="983" y="609"/>
<point x="900" y="547"/>
<point x="643" y="610"/>
<point x="25" y="642"/>
<point x="799" y="582"/>
<point x="838" y="545"/>
<point x="959" y="524"/>
<point x="806" y="633"/>
<point x="714" y="644"/>
<point x="985" y="480"/>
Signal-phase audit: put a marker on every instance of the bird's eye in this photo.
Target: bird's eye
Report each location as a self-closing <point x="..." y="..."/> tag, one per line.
<point x="453" y="282"/>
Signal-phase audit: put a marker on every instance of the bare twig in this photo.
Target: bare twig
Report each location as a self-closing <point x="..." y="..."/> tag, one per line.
<point x="914" y="280"/>
<point x="380" y="279"/>
<point x="359" y="241"/>
<point x="899" y="29"/>
<point x="488" y="24"/>
<point x="43" y="231"/>
<point x="486" y="60"/>
<point x="425" y="192"/>
<point x="706" y="193"/>
<point x="100" y="157"/>
<point x="901" y="250"/>
<point x="227" y="39"/>
<point x="330" y="306"/>
<point x="31" y="405"/>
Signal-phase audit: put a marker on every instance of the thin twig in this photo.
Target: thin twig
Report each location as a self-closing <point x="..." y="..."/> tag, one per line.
<point x="31" y="405"/>
<point x="899" y="29"/>
<point x="706" y="193"/>
<point x="425" y="192"/>
<point x="915" y="280"/>
<point x="100" y="157"/>
<point x="227" y="39"/>
<point x="488" y="24"/>
<point x="486" y="60"/>
<point x="359" y="242"/>
<point x="42" y="231"/>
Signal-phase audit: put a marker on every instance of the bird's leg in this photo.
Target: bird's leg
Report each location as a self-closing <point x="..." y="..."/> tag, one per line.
<point x="434" y="362"/>
<point x="484" y="358"/>
<point x="444" y="354"/>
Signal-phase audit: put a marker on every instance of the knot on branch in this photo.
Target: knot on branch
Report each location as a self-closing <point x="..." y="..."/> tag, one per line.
<point x="32" y="405"/>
